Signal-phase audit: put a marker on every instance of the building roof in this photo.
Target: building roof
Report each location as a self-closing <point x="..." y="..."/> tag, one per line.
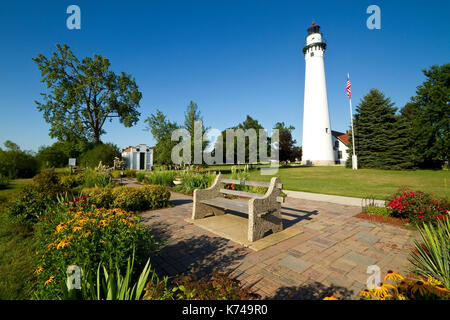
<point x="341" y="136"/>
<point x="128" y="149"/>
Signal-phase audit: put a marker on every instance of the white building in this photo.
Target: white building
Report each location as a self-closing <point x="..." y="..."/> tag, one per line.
<point x="139" y="157"/>
<point x="317" y="147"/>
<point x="340" y="146"/>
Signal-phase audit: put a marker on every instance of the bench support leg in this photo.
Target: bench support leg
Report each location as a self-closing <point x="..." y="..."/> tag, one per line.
<point x="259" y="227"/>
<point x="202" y="210"/>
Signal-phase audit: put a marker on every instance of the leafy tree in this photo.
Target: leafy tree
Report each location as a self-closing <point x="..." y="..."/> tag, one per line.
<point x="84" y="94"/>
<point x="192" y="115"/>
<point x="57" y="155"/>
<point x="248" y="123"/>
<point x="16" y="163"/>
<point x="161" y="129"/>
<point x="380" y="136"/>
<point x="287" y="150"/>
<point x="427" y="116"/>
<point x="104" y="152"/>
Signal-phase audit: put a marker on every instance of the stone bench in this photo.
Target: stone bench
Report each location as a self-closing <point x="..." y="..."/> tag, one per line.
<point x="263" y="210"/>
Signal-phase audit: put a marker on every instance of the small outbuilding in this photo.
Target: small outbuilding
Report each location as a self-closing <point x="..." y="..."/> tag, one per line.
<point x="138" y="157"/>
<point x="340" y="146"/>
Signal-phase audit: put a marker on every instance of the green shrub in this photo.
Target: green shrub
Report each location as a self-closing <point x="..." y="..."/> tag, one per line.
<point x="30" y="204"/>
<point x="129" y="198"/>
<point x="140" y="176"/>
<point x="220" y="287"/>
<point x="16" y="163"/>
<point x="93" y="178"/>
<point x="102" y="152"/>
<point x="164" y="178"/>
<point x="192" y="181"/>
<point x="4" y="181"/>
<point x="380" y="211"/>
<point x="72" y="181"/>
<point x="431" y="257"/>
<point x="101" y="197"/>
<point x="34" y="200"/>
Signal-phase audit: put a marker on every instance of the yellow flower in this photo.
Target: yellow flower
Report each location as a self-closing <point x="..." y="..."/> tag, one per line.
<point x="49" y="280"/>
<point x="38" y="270"/>
<point x="391" y="275"/>
<point x="330" y="298"/>
<point x="419" y="286"/>
<point x="87" y="234"/>
<point x="77" y="228"/>
<point x="432" y="281"/>
<point x="382" y="292"/>
<point x="103" y="223"/>
<point x="365" y="293"/>
<point x="60" y="227"/>
<point x="62" y="244"/>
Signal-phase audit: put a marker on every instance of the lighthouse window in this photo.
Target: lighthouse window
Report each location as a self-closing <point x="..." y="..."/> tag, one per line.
<point x="312" y="54"/>
<point x="326" y="130"/>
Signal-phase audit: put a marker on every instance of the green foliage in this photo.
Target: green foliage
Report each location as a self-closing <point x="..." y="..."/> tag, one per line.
<point x="163" y="177"/>
<point x="427" y="117"/>
<point x="192" y="181"/>
<point x="112" y="285"/>
<point x="85" y="236"/>
<point x="57" y="155"/>
<point x="4" y="181"/>
<point x="379" y="211"/>
<point x="140" y="176"/>
<point x="161" y="129"/>
<point x="287" y="150"/>
<point x="129" y="198"/>
<point x="84" y="94"/>
<point x="431" y="258"/>
<point x="380" y="135"/>
<point x="220" y="287"/>
<point x="15" y="163"/>
<point x="34" y="200"/>
<point x="72" y="181"/>
<point x="101" y="152"/>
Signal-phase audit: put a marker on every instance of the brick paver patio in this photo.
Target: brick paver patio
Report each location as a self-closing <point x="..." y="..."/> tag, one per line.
<point x="329" y="256"/>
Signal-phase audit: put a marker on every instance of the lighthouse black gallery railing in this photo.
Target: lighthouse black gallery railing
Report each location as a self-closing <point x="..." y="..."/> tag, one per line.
<point x="321" y="45"/>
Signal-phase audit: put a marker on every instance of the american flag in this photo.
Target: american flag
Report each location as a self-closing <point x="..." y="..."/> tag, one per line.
<point x="349" y="91"/>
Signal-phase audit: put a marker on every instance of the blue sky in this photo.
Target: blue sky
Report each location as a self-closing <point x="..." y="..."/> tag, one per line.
<point x="232" y="58"/>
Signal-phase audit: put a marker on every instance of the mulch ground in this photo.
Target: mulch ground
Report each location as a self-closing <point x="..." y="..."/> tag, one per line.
<point x="389" y="220"/>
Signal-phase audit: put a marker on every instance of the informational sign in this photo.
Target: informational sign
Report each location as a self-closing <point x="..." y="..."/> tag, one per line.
<point x="72" y="162"/>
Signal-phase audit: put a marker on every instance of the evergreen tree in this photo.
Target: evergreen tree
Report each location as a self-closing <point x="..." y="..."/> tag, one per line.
<point x="192" y="115"/>
<point x="161" y="129"/>
<point x="287" y="150"/>
<point x="428" y="117"/>
<point x="381" y="139"/>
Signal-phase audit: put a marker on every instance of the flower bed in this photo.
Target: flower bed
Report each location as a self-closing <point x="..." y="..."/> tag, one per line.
<point x="79" y="234"/>
<point x="417" y="206"/>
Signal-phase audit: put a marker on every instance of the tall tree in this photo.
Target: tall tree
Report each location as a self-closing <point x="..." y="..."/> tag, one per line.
<point x="287" y="150"/>
<point x="192" y="115"/>
<point x="161" y="129"/>
<point x="380" y="138"/>
<point x="428" y="117"/>
<point x="247" y="124"/>
<point x="84" y="94"/>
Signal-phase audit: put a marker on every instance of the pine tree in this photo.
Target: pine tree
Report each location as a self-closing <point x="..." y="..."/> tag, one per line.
<point x="380" y="137"/>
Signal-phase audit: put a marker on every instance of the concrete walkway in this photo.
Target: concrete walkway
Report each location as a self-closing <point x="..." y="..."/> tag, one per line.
<point x="349" y="201"/>
<point x="329" y="255"/>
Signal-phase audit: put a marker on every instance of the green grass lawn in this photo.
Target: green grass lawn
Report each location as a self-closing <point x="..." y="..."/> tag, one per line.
<point x="360" y="183"/>
<point x="16" y="250"/>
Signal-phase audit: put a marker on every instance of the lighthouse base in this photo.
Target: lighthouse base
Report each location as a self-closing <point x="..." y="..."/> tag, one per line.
<point x="318" y="162"/>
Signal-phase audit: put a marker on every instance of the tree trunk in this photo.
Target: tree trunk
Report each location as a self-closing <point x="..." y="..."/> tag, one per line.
<point x="97" y="137"/>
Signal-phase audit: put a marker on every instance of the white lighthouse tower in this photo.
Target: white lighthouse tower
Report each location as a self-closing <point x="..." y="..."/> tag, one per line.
<point x="317" y="148"/>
